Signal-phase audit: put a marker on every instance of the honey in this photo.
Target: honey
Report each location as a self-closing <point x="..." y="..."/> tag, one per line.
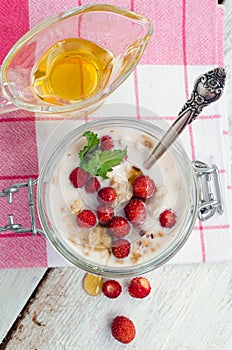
<point x="92" y="284"/>
<point x="71" y="70"/>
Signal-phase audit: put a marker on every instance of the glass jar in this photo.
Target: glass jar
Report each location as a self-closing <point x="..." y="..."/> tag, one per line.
<point x="177" y="187"/>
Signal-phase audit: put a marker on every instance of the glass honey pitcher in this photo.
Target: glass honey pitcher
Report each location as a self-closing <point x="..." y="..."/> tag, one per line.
<point x="71" y="62"/>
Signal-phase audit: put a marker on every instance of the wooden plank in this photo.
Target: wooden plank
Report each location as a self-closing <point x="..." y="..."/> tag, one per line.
<point x="190" y="307"/>
<point x="16" y="287"/>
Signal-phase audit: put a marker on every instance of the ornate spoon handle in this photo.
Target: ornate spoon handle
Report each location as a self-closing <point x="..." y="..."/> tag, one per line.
<point x="208" y="88"/>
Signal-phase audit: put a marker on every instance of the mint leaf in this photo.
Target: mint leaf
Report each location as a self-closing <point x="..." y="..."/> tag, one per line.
<point x="110" y="159"/>
<point x="100" y="163"/>
<point x="90" y="164"/>
<point x="92" y="141"/>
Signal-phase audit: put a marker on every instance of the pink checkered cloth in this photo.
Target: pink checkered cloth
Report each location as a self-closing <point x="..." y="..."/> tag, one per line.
<point x="187" y="41"/>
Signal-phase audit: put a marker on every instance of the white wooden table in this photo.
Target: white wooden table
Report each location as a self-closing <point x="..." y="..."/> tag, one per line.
<point x="192" y="304"/>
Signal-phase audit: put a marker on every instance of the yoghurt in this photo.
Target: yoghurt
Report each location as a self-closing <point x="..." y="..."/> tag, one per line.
<point x="147" y="240"/>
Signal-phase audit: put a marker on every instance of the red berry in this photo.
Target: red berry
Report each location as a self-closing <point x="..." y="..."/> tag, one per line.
<point x="167" y="218"/>
<point x="143" y="187"/>
<point x="123" y="329"/>
<point x="78" y="177"/>
<point x="118" y="226"/>
<point x="86" y="219"/>
<point x="112" y="289"/>
<point x="104" y="214"/>
<point x="136" y="211"/>
<point x="92" y="185"/>
<point x="107" y="195"/>
<point x="106" y="143"/>
<point x="139" y="287"/>
<point x="121" y="248"/>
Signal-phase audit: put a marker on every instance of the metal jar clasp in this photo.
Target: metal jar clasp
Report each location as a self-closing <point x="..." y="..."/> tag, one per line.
<point x="210" y="192"/>
<point x="8" y="193"/>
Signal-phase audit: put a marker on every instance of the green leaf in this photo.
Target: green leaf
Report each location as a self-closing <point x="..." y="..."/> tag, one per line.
<point x="100" y="163"/>
<point x="90" y="164"/>
<point x="92" y="141"/>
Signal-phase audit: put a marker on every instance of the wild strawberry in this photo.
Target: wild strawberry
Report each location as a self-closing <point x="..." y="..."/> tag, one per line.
<point x="112" y="289"/>
<point x="121" y="248"/>
<point x="78" y="177"/>
<point x="118" y="226"/>
<point x="86" y="219"/>
<point x="143" y="187"/>
<point x="106" y="195"/>
<point x="123" y="329"/>
<point x="106" y="143"/>
<point x="92" y="185"/>
<point x="139" y="287"/>
<point x="104" y="214"/>
<point x="136" y="211"/>
<point x="167" y="218"/>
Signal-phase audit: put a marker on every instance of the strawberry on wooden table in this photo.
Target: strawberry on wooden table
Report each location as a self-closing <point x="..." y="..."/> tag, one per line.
<point x="123" y="329"/>
<point x="139" y="287"/>
<point x="111" y="289"/>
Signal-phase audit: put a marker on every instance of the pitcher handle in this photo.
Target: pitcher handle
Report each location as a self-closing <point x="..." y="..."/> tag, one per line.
<point x="5" y="105"/>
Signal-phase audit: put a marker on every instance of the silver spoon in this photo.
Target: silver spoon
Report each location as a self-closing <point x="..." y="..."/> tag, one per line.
<point x="208" y="88"/>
